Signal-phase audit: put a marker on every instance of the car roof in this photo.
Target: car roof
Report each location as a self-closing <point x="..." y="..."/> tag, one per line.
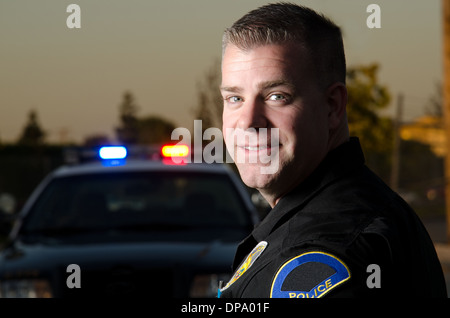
<point x="138" y="165"/>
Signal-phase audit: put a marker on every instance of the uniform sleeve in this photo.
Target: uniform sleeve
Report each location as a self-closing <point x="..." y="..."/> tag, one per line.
<point x="359" y="270"/>
<point x="370" y="261"/>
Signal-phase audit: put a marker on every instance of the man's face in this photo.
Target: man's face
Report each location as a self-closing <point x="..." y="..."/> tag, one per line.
<point x="274" y="86"/>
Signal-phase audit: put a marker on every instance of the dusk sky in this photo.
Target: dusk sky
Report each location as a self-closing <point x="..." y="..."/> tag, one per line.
<point x="159" y="50"/>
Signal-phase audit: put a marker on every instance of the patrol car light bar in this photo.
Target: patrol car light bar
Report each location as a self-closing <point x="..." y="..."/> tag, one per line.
<point x="119" y="153"/>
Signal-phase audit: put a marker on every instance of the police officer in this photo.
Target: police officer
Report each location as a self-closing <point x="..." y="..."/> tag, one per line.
<point x="335" y="229"/>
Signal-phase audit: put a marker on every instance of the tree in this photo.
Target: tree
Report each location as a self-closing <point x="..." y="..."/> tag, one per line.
<point x="209" y="100"/>
<point x="96" y="140"/>
<point x="434" y="106"/>
<point x="154" y="130"/>
<point x="32" y="134"/>
<point x="366" y="98"/>
<point x="128" y="132"/>
<point x="135" y="130"/>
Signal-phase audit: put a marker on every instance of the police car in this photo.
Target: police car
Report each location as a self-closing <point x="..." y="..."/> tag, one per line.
<point x="129" y="228"/>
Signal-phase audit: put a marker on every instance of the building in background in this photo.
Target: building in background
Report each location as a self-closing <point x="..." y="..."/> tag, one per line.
<point x="427" y="130"/>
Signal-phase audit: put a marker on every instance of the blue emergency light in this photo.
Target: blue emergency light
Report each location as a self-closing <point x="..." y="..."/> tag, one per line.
<point x="112" y="152"/>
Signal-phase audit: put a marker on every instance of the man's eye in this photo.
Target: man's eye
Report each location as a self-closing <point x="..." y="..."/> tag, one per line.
<point x="277" y="97"/>
<point x="234" y="99"/>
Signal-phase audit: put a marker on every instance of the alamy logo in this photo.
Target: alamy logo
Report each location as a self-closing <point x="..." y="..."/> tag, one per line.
<point x="73" y="21"/>
<point x="74" y="279"/>
<point x="374" y="279"/>
<point x="374" y="19"/>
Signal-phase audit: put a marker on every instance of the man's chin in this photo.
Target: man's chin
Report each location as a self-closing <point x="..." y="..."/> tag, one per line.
<point x="252" y="177"/>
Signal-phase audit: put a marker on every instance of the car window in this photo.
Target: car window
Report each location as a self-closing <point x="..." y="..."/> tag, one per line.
<point x="153" y="201"/>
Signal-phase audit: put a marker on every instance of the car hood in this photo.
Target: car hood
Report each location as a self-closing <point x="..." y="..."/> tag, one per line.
<point x="42" y="257"/>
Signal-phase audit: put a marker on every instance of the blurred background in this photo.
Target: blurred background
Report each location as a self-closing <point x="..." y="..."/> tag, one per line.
<point x="136" y="70"/>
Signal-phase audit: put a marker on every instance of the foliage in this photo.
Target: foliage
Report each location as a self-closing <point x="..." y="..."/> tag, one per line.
<point x="128" y="132"/>
<point x="366" y="98"/>
<point x="154" y="130"/>
<point x="22" y="167"/>
<point x="209" y="100"/>
<point x="434" y="106"/>
<point x="32" y="134"/>
<point x="137" y="130"/>
<point x="96" y="140"/>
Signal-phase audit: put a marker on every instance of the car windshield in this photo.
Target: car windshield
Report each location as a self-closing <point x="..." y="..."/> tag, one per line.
<point x="141" y="202"/>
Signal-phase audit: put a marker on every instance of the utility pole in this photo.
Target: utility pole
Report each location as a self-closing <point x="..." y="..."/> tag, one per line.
<point x="446" y="104"/>
<point x="395" y="172"/>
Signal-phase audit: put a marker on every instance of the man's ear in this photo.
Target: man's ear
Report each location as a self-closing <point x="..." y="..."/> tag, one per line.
<point x="337" y="104"/>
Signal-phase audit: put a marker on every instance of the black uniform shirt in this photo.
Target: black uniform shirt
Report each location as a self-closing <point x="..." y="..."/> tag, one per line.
<point x="341" y="233"/>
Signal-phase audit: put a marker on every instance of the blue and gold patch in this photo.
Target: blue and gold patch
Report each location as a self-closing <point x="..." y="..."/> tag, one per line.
<point x="309" y="275"/>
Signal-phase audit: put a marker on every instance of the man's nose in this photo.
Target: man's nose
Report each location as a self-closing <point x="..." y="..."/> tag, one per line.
<point x="252" y="115"/>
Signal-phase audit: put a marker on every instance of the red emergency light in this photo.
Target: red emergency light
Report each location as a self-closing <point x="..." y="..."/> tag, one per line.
<point x="170" y="151"/>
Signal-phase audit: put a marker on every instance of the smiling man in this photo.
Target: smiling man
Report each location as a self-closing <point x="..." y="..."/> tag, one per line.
<point x="283" y="68"/>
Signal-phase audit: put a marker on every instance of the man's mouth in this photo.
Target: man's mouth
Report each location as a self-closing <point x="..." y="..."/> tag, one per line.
<point x="256" y="148"/>
<point x="259" y="148"/>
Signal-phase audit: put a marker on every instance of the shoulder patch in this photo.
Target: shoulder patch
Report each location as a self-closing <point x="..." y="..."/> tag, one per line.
<point x="245" y="265"/>
<point x="309" y="275"/>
